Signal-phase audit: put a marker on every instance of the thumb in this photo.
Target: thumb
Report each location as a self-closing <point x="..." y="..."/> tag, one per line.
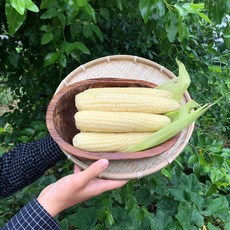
<point x="95" y="169"/>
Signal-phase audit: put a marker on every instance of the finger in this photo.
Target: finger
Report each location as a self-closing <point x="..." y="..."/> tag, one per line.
<point x="77" y="169"/>
<point x="94" y="170"/>
<point x="105" y="185"/>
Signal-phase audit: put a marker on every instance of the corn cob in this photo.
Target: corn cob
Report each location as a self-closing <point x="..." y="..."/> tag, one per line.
<point x="131" y="90"/>
<point x="124" y="102"/>
<point x="107" y="142"/>
<point x="116" y="122"/>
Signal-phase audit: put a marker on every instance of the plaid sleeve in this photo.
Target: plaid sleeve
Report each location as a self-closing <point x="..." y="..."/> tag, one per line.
<point x="32" y="217"/>
<point x="26" y="163"/>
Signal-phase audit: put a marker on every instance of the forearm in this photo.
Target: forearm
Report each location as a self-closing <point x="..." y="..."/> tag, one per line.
<point x="32" y="216"/>
<point x="26" y="163"/>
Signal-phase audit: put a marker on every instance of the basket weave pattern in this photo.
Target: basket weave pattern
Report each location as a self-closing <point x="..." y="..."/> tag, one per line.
<point x="130" y="67"/>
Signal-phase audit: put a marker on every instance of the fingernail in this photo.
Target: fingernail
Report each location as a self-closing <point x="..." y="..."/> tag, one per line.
<point x="104" y="163"/>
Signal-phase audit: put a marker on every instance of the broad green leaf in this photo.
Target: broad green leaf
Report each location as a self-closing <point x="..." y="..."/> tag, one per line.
<point x="64" y="225"/>
<point x="166" y="173"/>
<point x="216" y="175"/>
<point x="145" y="7"/>
<point x="172" y="29"/>
<point x="119" y="5"/>
<point x="31" y="6"/>
<point x="89" y="10"/>
<point x="80" y="3"/>
<point x="212" y="227"/>
<point x="87" y="31"/>
<point x="46" y="38"/>
<point x="217" y="206"/>
<point x="184" y="215"/>
<point x="62" y="60"/>
<point x="109" y="219"/>
<point x="183" y="31"/>
<point x="82" y="47"/>
<point x="45" y="4"/>
<point x="197" y="6"/>
<point x="19" y="6"/>
<point x="46" y="28"/>
<point x="51" y="58"/>
<point x="14" y="19"/>
<point x="62" y="19"/>
<point x="69" y="47"/>
<point x="98" y="32"/>
<point x="182" y="12"/>
<point x="50" y="13"/>
<point x="160" y="9"/>
<point x="38" y="125"/>
<point x="84" y="219"/>
<point x="27" y="132"/>
<point x="162" y="220"/>
<point x="13" y="58"/>
<point x="205" y="17"/>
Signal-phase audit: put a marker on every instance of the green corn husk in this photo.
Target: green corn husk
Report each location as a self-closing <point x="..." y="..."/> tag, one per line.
<point x="183" y="110"/>
<point x="183" y="120"/>
<point x="178" y="85"/>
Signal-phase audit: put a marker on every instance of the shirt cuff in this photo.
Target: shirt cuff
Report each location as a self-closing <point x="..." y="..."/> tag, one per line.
<point x="32" y="217"/>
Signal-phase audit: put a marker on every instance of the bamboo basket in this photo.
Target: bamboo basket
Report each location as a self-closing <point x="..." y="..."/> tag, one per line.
<point x="128" y="67"/>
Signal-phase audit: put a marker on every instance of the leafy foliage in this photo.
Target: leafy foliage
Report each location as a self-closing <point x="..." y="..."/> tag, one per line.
<point x="42" y="41"/>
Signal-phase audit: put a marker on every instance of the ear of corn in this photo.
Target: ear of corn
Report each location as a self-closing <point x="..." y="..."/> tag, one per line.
<point x="115" y="122"/>
<point x="125" y="103"/>
<point x="130" y="90"/>
<point x="107" y="142"/>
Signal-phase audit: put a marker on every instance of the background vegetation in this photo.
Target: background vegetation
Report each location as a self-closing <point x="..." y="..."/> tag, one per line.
<point x="42" y="41"/>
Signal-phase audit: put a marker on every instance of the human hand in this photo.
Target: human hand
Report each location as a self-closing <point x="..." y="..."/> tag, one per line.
<point x="77" y="187"/>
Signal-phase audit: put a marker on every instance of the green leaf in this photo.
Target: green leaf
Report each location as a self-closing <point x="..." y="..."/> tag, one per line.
<point x="50" y="13"/>
<point x="89" y="10"/>
<point x="38" y="125"/>
<point x="14" y="19"/>
<point x="27" y="132"/>
<point x="69" y="47"/>
<point x="166" y="173"/>
<point x="46" y="28"/>
<point x="216" y="175"/>
<point x="80" y="3"/>
<point x="84" y="219"/>
<point x="80" y="46"/>
<point x="212" y="227"/>
<point x="184" y="215"/>
<point x="87" y="31"/>
<point x="98" y="32"/>
<point x="19" y="6"/>
<point x="205" y="17"/>
<point x="46" y="38"/>
<point x="218" y="205"/>
<point x="145" y="7"/>
<point x="183" y="31"/>
<point x="62" y="60"/>
<point x="182" y="12"/>
<point x="62" y="19"/>
<point x="51" y="58"/>
<point x="31" y="6"/>
<point x="64" y="224"/>
<point x="172" y="29"/>
<point x="13" y="58"/>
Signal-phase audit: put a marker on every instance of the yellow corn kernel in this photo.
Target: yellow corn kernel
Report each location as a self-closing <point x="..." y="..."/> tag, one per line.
<point x="107" y="142"/>
<point x="131" y="90"/>
<point x="116" y="122"/>
<point x="122" y="102"/>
